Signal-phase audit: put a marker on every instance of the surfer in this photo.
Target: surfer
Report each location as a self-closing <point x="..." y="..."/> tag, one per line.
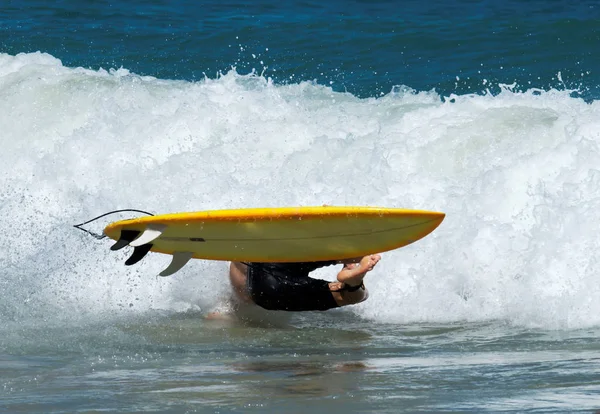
<point x="288" y="287"/>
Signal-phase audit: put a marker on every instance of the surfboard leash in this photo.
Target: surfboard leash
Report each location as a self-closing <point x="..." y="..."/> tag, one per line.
<point x="102" y="236"/>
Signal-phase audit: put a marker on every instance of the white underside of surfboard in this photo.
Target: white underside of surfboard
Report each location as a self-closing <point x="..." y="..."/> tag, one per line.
<point x="152" y="232"/>
<point x="180" y="259"/>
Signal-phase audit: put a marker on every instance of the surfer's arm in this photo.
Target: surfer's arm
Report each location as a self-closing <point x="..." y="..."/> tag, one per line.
<point x="343" y="296"/>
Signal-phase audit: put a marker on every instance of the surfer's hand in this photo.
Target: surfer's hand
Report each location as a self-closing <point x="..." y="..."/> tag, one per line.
<point x="369" y="262"/>
<point x="353" y="274"/>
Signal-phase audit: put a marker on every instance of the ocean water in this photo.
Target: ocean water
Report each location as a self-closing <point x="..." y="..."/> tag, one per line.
<point x="486" y="110"/>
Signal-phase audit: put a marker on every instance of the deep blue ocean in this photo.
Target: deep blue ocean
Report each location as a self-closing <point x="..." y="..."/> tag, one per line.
<point x="486" y="110"/>
<point x="363" y="47"/>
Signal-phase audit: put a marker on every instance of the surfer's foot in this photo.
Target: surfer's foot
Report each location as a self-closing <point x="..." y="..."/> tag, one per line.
<point x="353" y="274"/>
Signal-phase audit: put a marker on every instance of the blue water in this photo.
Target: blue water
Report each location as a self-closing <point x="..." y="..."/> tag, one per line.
<point x="488" y="111"/>
<point x="363" y="47"/>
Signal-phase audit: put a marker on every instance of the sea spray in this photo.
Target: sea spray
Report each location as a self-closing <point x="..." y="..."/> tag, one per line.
<point x="516" y="173"/>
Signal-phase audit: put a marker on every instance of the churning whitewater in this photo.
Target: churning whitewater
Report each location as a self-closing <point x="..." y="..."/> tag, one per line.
<point x="516" y="174"/>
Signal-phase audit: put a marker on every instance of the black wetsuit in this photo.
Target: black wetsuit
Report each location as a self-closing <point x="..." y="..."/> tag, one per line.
<point x="287" y="286"/>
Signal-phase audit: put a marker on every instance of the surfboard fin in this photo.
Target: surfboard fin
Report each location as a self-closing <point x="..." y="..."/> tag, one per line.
<point x="127" y="236"/>
<point x="180" y="259"/>
<point x="152" y="232"/>
<point x="138" y="254"/>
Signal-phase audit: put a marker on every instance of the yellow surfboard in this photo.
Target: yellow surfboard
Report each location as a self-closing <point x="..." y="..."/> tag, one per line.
<point x="290" y="234"/>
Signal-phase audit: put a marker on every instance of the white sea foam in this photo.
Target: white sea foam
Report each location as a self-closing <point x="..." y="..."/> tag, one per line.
<point x="518" y="175"/>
